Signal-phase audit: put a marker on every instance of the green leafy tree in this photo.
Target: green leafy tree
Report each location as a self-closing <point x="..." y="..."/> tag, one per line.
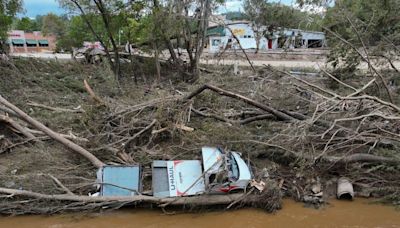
<point x="372" y="26"/>
<point x="27" y="24"/>
<point x="8" y="10"/>
<point x="359" y="30"/>
<point x="53" y="24"/>
<point x="76" y="33"/>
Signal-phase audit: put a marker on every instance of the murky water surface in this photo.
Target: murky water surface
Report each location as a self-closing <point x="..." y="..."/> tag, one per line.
<point x="359" y="213"/>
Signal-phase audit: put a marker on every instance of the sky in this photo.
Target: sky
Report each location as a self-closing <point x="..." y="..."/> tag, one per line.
<point x="236" y="5"/>
<point x="41" y="7"/>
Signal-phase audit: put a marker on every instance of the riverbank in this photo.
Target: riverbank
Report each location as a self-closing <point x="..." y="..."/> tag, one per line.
<point x="339" y="214"/>
<point x="300" y="132"/>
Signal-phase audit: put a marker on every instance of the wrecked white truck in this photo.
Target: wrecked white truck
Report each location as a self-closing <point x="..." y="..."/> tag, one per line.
<point x="219" y="172"/>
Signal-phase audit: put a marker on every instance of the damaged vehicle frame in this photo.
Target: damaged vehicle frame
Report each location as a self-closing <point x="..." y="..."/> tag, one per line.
<point x="218" y="172"/>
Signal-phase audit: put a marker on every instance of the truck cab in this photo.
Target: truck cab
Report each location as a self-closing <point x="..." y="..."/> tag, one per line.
<point x="225" y="172"/>
<point x="219" y="172"/>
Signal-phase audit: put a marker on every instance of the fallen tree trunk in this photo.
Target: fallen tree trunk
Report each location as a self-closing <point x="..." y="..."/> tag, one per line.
<point x="229" y="121"/>
<point x="269" y="199"/>
<point x="348" y="159"/>
<point x="195" y="200"/>
<point x="367" y="158"/>
<point x="56" y="136"/>
<point x="17" y="127"/>
<point x="282" y="115"/>
<point x="7" y="110"/>
<point x="279" y="115"/>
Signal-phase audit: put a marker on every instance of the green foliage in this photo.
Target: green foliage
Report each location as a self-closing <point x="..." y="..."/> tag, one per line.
<point x="53" y="24"/>
<point x="277" y="15"/>
<point x="8" y="10"/>
<point x="322" y="3"/>
<point x="140" y="30"/>
<point x="122" y="17"/>
<point x="235" y="16"/>
<point x="27" y="24"/>
<point x="374" y="24"/>
<point x="77" y="32"/>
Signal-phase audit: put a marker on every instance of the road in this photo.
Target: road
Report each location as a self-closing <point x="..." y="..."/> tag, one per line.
<point x="275" y="63"/>
<point x="316" y="64"/>
<point x="43" y="55"/>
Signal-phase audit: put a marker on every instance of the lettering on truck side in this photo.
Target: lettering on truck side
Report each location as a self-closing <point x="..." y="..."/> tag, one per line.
<point x="171" y="178"/>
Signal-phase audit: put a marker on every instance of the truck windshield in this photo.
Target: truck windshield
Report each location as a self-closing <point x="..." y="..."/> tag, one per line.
<point x="234" y="174"/>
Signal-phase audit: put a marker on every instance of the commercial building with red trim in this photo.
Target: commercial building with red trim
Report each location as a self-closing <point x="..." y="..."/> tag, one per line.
<point x="30" y="42"/>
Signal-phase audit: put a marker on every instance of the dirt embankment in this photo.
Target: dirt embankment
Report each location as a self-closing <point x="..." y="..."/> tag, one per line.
<point x="285" y="126"/>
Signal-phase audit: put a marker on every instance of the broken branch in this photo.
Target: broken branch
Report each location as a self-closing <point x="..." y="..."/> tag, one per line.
<point x="33" y="104"/>
<point x="17" y="127"/>
<point x="92" y="94"/>
<point x="278" y="114"/>
<point x="56" y="136"/>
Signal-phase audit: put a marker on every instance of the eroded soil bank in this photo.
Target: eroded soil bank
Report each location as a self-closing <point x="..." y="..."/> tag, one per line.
<point x="358" y="213"/>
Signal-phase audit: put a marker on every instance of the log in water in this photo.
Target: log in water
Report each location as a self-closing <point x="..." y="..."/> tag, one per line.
<point x="358" y="213"/>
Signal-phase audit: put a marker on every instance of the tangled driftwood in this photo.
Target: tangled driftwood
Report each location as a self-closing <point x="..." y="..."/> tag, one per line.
<point x="56" y="136"/>
<point x="343" y="129"/>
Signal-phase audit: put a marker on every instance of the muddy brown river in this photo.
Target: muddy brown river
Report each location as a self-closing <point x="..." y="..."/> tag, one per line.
<point x="359" y="213"/>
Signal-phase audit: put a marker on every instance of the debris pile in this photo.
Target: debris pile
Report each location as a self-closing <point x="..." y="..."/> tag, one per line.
<point x="296" y="132"/>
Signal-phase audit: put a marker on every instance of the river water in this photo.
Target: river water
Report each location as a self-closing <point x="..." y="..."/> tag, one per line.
<point x="358" y="213"/>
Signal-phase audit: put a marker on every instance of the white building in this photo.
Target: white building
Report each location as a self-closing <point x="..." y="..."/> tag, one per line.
<point x="220" y="38"/>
